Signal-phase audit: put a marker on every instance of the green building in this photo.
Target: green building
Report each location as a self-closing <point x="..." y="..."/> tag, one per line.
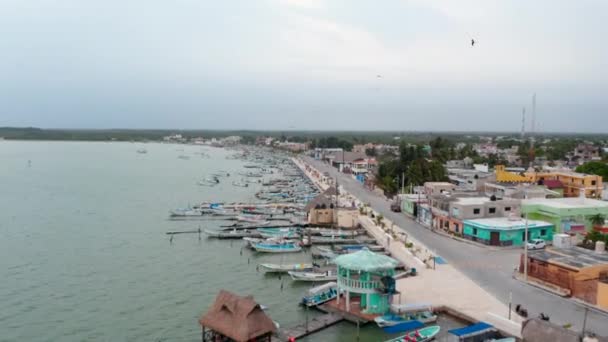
<point x="410" y="203"/>
<point x="367" y="281"/>
<point x="503" y="231"/>
<point x="568" y="215"/>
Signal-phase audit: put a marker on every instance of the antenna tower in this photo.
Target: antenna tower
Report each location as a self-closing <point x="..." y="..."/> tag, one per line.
<point x="523" y="123"/>
<point x="531" y="153"/>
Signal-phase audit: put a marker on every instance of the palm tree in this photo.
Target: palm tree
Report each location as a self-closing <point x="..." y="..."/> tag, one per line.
<point x="597" y="220"/>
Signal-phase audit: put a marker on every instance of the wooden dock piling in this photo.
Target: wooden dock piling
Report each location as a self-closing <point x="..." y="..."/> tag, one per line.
<point x="314" y="325"/>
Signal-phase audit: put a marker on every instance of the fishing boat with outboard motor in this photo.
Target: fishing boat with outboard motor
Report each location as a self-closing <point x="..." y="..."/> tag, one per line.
<point x="328" y="275"/>
<point x="421" y="335"/>
<point x="320" y="294"/>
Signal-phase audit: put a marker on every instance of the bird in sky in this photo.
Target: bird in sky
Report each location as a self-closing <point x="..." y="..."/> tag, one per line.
<point x="379" y="76"/>
<point x="472" y="42"/>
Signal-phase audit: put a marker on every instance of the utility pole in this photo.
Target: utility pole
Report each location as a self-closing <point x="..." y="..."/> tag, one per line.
<point x="526" y="242"/>
<point x="510" y="301"/>
<point x="584" y="323"/>
<point x="402" y="182"/>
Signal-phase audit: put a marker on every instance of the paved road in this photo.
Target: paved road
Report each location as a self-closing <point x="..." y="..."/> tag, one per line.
<point x="491" y="269"/>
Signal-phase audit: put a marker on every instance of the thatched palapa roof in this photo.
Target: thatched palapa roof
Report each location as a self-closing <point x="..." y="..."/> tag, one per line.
<point x="326" y="198"/>
<point x="236" y="317"/>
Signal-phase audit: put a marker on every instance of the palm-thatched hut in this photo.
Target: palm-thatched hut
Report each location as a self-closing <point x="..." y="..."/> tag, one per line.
<point x="235" y="318"/>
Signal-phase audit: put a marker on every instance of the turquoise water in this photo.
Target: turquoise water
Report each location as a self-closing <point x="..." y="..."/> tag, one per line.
<point x="84" y="255"/>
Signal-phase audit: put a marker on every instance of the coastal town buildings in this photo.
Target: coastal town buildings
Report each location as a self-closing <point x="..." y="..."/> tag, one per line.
<point x="575" y="271"/>
<point x="506" y="231"/>
<point x="584" y="153"/>
<point x="567" y="215"/>
<point x="469" y="179"/>
<point x="572" y="183"/>
<point x="449" y="211"/>
<point x="291" y="146"/>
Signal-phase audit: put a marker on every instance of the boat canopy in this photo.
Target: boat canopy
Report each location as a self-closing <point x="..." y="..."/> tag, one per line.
<point x="322" y="288"/>
<point x="412" y="307"/>
<point x="401" y="327"/>
<point x="366" y="260"/>
<point x="472" y="330"/>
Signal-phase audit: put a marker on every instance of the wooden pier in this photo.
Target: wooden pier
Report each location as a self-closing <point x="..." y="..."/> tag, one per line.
<point x="314" y="325"/>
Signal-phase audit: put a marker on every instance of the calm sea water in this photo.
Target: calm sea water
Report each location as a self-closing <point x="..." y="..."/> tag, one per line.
<point x="84" y="255"/>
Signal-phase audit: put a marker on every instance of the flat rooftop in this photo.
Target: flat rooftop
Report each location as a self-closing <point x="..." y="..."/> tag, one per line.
<point x="473" y="200"/>
<point x="567" y="202"/>
<point x="505" y="223"/>
<point x="574" y="257"/>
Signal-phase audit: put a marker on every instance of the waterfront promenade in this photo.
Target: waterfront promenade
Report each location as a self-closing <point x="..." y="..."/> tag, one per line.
<point x="490" y="270"/>
<point x="443" y="286"/>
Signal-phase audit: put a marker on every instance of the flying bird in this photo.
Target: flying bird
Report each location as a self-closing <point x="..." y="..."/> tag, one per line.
<point x="472" y="42"/>
<point x="379" y="76"/>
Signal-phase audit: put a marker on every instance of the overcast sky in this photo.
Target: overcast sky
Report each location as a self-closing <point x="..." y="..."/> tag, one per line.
<point x="304" y="64"/>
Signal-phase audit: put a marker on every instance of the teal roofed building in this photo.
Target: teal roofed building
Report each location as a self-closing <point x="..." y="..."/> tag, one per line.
<point x="503" y="231"/>
<point x="367" y="281"/>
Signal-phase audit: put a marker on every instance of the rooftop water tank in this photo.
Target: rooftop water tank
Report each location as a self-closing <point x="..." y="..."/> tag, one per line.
<point x="562" y="241"/>
<point x="600" y="247"/>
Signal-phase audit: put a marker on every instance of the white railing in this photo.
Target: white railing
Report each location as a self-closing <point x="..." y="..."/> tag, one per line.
<point x="360" y="284"/>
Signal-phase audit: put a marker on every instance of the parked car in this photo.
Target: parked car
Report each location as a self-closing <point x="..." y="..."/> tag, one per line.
<point x="536" y="244"/>
<point x="396" y="207"/>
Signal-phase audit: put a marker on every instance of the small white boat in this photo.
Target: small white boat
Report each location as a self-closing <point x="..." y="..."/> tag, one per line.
<point x="283" y="247"/>
<point x="209" y="181"/>
<point x="188" y="212"/>
<point x="142" y="151"/>
<point x="241" y="184"/>
<point x="284" y="268"/>
<point x="251" y="218"/>
<point x="232" y="234"/>
<point x="320" y="294"/>
<point x="184" y="157"/>
<point x="313" y="276"/>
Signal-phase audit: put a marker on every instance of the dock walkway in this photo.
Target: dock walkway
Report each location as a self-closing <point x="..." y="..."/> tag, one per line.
<point x="314" y="325"/>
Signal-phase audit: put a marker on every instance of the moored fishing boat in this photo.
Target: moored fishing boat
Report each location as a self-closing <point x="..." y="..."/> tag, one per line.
<point x="287" y="233"/>
<point x="187" y="212"/>
<point x="320" y="294"/>
<point x="282" y="247"/>
<point x="423" y="316"/>
<point x="251" y="218"/>
<point x="232" y="234"/>
<point x="328" y="275"/>
<point x="421" y="335"/>
<point x="284" y="268"/>
<point x="241" y="184"/>
<point x="209" y="181"/>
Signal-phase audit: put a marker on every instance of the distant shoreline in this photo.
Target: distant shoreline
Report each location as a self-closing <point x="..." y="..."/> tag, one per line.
<point x="157" y="135"/>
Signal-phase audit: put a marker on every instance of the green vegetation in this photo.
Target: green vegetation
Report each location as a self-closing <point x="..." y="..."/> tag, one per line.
<point x="594" y="168"/>
<point x="413" y="166"/>
<point x="332" y="142"/>
<point x="592" y="237"/>
<point x="597" y="220"/>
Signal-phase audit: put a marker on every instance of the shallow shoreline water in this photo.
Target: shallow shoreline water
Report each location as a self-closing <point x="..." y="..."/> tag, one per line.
<point x="84" y="255"/>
